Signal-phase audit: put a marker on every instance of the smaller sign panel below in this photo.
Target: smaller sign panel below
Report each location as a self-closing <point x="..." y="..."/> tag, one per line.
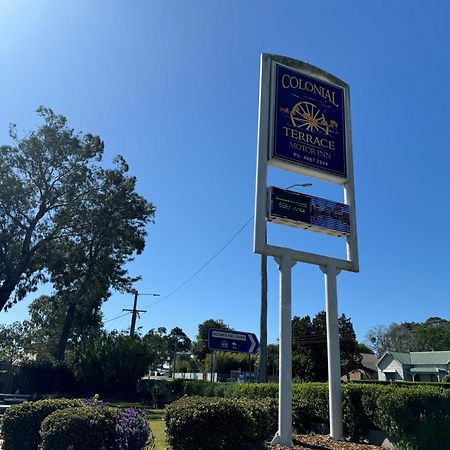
<point x="232" y="341"/>
<point x="307" y="212"/>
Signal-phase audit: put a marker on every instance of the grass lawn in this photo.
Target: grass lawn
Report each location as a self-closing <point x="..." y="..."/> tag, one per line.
<point x="154" y="418"/>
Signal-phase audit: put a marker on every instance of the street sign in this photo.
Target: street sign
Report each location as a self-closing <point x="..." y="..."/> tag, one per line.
<point x="232" y="341"/>
<point x="307" y="212"/>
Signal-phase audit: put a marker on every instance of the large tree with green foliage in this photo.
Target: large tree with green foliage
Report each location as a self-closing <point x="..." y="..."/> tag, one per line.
<point x="108" y="229"/>
<point x="41" y="175"/>
<point x="309" y="348"/>
<point x="65" y="217"/>
<point x="14" y="342"/>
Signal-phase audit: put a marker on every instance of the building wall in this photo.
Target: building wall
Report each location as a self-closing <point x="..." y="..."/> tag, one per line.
<point x="390" y="367"/>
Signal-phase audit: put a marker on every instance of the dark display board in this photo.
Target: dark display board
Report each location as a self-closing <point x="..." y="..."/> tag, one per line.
<point x="307" y="212"/>
<point x="309" y="123"/>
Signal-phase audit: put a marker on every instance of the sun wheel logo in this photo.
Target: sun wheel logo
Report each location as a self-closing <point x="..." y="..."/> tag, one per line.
<point x="308" y="116"/>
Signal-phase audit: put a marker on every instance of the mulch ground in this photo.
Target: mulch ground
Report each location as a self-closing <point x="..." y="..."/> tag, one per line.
<point x="322" y="442"/>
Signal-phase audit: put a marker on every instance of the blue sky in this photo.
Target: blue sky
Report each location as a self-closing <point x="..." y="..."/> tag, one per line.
<point x="173" y="87"/>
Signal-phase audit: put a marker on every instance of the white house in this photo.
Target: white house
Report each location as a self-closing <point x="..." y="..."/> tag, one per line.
<point x="413" y="366"/>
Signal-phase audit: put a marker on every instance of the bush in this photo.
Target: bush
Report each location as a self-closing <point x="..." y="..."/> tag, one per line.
<point x="44" y="377"/>
<point x="417" y="419"/>
<point x="84" y="428"/>
<point x="112" y="364"/>
<point x="133" y="430"/>
<point x="21" y="423"/>
<point x="196" y="423"/>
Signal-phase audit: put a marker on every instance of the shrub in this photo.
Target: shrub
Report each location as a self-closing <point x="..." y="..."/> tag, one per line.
<point x="195" y="423"/>
<point x="44" y="377"/>
<point x="309" y="404"/>
<point x="83" y="427"/>
<point x="133" y="430"/>
<point x="21" y="423"/>
<point x="416" y="418"/>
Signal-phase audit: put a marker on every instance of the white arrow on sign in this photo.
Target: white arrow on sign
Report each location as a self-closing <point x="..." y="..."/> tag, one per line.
<point x="252" y="347"/>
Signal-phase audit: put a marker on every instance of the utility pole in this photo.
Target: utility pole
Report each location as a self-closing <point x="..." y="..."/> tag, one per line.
<point x="135" y="311"/>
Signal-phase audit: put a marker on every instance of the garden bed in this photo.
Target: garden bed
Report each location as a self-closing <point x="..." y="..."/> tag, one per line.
<point x="322" y="442"/>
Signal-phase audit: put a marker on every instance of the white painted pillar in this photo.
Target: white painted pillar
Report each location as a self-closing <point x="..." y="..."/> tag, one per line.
<point x="284" y="433"/>
<point x="334" y="355"/>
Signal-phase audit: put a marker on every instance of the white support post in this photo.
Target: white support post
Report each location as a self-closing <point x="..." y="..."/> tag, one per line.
<point x="284" y="433"/>
<point x="333" y="350"/>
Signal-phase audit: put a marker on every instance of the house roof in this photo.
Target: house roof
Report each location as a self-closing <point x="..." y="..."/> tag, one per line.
<point x="403" y="357"/>
<point x="419" y="358"/>
<point x="369" y="361"/>
<point x="430" y="357"/>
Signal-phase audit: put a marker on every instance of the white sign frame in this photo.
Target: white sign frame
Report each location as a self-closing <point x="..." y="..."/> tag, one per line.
<point x="288" y="257"/>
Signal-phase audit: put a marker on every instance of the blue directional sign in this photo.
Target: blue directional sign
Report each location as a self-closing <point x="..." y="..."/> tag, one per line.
<point x="232" y="341"/>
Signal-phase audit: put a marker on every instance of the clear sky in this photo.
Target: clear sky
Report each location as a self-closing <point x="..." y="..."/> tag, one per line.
<point x="173" y="87"/>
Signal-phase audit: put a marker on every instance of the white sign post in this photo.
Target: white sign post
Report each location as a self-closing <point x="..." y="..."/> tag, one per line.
<point x="304" y="127"/>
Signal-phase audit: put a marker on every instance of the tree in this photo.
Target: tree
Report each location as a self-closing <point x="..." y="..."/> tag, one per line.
<point x="157" y="347"/>
<point x="40" y="175"/>
<point x="272" y="360"/>
<point x="309" y="353"/>
<point x="398" y="337"/>
<point x="108" y="229"/>
<point x="112" y="363"/>
<point x="47" y="314"/>
<point x="433" y="335"/>
<point x="363" y="348"/>
<point x="178" y="344"/>
<point x="14" y="340"/>
<point x="200" y="345"/>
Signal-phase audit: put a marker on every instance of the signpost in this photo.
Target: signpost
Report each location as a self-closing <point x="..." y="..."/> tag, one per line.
<point x="232" y="341"/>
<point x="304" y="127"/>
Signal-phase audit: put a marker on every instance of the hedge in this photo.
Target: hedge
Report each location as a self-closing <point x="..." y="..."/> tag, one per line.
<point x="415" y="416"/>
<point x="83" y="428"/>
<point x="198" y="423"/>
<point x="21" y="423"/>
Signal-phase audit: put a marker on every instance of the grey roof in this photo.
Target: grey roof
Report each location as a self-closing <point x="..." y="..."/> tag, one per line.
<point x="403" y="357"/>
<point x="430" y="357"/>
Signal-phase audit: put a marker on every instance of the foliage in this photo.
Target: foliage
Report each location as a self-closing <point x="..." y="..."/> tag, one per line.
<point x="309" y="349"/>
<point x="133" y="430"/>
<point x="195" y="423"/>
<point x="431" y="335"/>
<point x="40" y="175"/>
<point x="82" y="428"/>
<point x="225" y="362"/>
<point x="416" y="418"/>
<point x="156" y="392"/>
<point x="200" y="345"/>
<point x="44" y="377"/>
<point x="21" y="423"/>
<point x="14" y="341"/>
<point x="363" y="348"/>
<point x="64" y="216"/>
<point x="47" y="315"/>
<point x="112" y="364"/>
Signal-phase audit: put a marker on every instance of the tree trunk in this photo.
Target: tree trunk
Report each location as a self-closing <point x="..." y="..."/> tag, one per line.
<point x="68" y="323"/>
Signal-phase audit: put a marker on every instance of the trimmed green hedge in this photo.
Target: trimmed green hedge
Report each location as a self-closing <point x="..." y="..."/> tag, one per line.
<point x="83" y="428"/>
<point x="21" y="423"/>
<point x="198" y="423"/>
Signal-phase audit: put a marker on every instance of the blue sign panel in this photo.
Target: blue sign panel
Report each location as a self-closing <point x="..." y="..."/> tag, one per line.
<point x="232" y="341"/>
<point x="309" y="123"/>
<point x="308" y="212"/>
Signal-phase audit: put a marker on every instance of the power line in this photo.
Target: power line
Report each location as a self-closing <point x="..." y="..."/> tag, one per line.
<point x="235" y="235"/>
<point x="115" y="318"/>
